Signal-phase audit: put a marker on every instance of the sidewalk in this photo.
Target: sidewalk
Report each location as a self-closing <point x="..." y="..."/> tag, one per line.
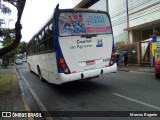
<point x="14" y="100"/>
<point x="136" y="68"/>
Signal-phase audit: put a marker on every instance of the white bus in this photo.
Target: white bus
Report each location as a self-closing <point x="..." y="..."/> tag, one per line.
<point x="74" y="44"/>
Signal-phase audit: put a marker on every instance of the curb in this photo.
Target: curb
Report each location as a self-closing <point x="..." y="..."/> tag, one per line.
<point x="136" y="71"/>
<point x="36" y="98"/>
<point x="143" y="71"/>
<point x="124" y="70"/>
<point x="25" y="103"/>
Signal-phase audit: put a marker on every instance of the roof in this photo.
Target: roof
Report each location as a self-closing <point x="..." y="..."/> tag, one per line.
<point x="86" y="3"/>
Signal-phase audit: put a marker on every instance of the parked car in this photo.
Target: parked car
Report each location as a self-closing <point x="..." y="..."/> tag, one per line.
<point x="157" y="67"/>
<point x="24" y="60"/>
<point x="18" y="61"/>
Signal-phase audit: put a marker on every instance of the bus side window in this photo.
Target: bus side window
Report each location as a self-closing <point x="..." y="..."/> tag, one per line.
<point x="36" y="45"/>
<point x="49" y="38"/>
<point x="33" y="50"/>
<point x="43" y="37"/>
<point x="46" y="37"/>
<point x="50" y="29"/>
<point x="32" y="47"/>
<point x="41" y="43"/>
<point x="46" y="32"/>
<point x="44" y="40"/>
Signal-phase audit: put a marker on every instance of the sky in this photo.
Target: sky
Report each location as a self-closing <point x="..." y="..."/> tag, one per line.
<point x="36" y="12"/>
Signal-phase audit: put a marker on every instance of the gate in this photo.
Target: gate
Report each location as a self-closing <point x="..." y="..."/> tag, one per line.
<point x="145" y="52"/>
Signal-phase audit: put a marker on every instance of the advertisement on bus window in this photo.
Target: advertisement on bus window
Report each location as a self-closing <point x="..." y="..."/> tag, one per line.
<point x="83" y="23"/>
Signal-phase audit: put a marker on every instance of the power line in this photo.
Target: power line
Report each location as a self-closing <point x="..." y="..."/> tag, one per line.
<point x="121" y="22"/>
<point x="123" y="8"/>
<point x="138" y="5"/>
<point x="124" y="17"/>
<point x="114" y="11"/>
<point x="134" y="19"/>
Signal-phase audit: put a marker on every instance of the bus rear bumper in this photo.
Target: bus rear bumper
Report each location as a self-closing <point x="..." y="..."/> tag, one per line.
<point x="87" y="74"/>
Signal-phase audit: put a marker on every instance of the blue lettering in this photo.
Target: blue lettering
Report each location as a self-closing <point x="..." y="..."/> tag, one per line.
<point x="96" y="19"/>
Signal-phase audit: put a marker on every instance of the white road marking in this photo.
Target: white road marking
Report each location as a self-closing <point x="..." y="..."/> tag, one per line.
<point x="137" y="101"/>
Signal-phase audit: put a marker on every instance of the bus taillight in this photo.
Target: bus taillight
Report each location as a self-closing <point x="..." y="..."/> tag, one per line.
<point x="112" y="58"/>
<point x="64" y="66"/>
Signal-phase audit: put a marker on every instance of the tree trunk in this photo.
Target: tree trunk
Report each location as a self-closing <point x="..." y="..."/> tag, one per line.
<point x="18" y="27"/>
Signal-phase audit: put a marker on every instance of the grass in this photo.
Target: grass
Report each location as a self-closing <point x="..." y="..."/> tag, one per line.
<point x="5" y="83"/>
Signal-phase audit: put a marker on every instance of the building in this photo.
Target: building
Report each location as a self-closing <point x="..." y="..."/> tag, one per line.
<point x="144" y="19"/>
<point x="134" y="22"/>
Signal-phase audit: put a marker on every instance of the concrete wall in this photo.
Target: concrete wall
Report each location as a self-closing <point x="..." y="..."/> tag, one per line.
<point x="137" y="35"/>
<point x="133" y="52"/>
<point x="145" y="15"/>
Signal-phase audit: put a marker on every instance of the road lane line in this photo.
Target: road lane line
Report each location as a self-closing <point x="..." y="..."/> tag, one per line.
<point x="39" y="102"/>
<point x="137" y="101"/>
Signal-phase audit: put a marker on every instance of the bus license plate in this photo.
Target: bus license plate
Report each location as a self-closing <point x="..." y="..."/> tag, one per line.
<point x="90" y="62"/>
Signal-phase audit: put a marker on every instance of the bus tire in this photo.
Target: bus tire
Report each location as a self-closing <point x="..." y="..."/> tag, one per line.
<point x="40" y="75"/>
<point x="29" y="67"/>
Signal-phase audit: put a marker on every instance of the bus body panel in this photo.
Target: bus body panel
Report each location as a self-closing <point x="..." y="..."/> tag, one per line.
<point x="47" y="64"/>
<point x="82" y="54"/>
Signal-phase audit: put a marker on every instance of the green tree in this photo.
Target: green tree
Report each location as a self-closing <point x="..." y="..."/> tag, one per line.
<point x="22" y="47"/>
<point x="9" y="36"/>
<point x="19" y="4"/>
<point x="4" y="10"/>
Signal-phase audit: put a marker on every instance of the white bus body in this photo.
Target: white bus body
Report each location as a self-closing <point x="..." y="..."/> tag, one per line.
<point x="76" y="56"/>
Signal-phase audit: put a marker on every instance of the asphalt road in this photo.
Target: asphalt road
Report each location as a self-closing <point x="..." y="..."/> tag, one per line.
<point x="121" y="91"/>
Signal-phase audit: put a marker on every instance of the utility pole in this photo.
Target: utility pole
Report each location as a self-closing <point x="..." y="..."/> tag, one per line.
<point x="0" y="4"/>
<point x="127" y="19"/>
<point x="107" y="6"/>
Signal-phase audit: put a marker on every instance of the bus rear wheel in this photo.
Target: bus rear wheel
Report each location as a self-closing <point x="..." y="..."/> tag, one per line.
<point x="40" y="75"/>
<point x="29" y="67"/>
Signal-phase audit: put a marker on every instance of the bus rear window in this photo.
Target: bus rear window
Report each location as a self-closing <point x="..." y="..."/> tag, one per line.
<point x="81" y="23"/>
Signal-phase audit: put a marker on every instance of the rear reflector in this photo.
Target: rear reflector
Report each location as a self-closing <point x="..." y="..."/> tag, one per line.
<point x="64" y="66"/>
<point x="112" y="58"/>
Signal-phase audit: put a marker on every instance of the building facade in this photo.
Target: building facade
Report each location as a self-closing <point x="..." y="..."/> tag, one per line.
<point x="132" y="20"/>
<point x="144" y="20"/>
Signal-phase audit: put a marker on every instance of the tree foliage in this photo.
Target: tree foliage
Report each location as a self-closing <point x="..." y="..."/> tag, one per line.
<point x="19" y="4"/>
<point x="5" y="9"/>
<point x="9" y="36"/>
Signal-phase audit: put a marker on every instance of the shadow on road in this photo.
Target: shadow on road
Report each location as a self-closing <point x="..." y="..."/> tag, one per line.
<point x="78" y="87"/>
